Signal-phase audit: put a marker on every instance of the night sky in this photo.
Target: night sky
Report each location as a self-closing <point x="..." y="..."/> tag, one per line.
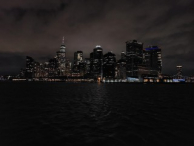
<point x="35" y="28"/>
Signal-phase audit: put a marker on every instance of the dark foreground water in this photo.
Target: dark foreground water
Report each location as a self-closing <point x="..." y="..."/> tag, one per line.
<point x="35" y="113"/>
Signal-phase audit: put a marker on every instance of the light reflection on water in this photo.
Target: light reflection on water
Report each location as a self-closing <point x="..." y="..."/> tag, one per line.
<point x="96" y="114"/>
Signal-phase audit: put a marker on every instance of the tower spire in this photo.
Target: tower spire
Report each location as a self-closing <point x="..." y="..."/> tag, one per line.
<point x="63" y="40"/>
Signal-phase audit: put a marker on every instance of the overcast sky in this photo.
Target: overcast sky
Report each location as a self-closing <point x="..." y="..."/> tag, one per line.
<point x="35" y="28"/>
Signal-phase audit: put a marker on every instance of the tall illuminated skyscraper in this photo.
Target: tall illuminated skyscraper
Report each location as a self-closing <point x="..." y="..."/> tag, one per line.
<point x="153" y="60"/>
<point x="121" y="69"/>
<point x="61" y="54"/>
<point x="134" y="57"/>
<point x="97" y="62"/>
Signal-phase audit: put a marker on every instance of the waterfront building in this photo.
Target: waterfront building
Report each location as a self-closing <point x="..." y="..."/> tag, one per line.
<point x="134" y="57"/>
<point x="29" y="73"/>
<point x="53" y="67"/>
<point x="42" y="71"/>
<point x="121" y="69"/>
<point x="68" y="66"/>
<point x="152" y="60"/>
<point x="82" y="68"/>
<point x="179" y="72"/>
<point x="61" y="54"/>
<point x="97" y="62"/>
<point x="179" y="77"/>
<point x="87" y="64"/>
<point x="109" y="65"/>
<point x="46" y="69"/>
<point x="75" y="71"/>
<point x="79" y="64"/>
<point x="36" y="69"/>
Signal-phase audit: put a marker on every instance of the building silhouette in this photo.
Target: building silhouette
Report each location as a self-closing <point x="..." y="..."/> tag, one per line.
<point x="153" y="60"/>
<point x="87" y="67"/>
<point x="53" y="67"/>
<point x="109" y="65"/>
<point x="29" y="73"/>
<point x="97" y="62"/>
<point x="78" y="57"/>
<point x="121" y="69"/>
<point x="134" y="57"/>
<point x="179" y="72"/>
<point x="123" y="55"/>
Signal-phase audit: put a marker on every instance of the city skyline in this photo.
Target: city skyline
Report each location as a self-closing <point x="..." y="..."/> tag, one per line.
<point x="35" y="29"/>
<point x="137" y="64"/>
<point x="74" y="62"/>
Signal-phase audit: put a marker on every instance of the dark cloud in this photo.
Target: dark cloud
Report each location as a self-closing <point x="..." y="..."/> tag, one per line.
<point x="35" y="28"/>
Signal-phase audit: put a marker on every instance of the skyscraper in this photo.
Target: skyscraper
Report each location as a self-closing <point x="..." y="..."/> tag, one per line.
<point x="121" y="69"/>
<point x="97" y="62"/>
<point x="134" y="57"/>
<point x="87" y="63"/>
<point x="29" y="73"/>
<point x="109" y="65"/>
<point x="78" y="57"/>
<point x="52" y="67"/>
<point x="61" y="54"/>
<point x="67" y="67"/>
<point x="153" y="60"/>
<point x="37" y="69"/>
<point x="179" y="72"/>
<point x="123" y="55"/>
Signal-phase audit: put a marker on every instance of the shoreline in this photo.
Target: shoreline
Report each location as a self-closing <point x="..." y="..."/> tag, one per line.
<point x="96" y="82"/>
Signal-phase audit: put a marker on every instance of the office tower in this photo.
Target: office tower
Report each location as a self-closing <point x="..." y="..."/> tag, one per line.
<point x="179" y="72"/>
<point x="79" y="64"/>
<point x="153" y="60"/>
<point x="29" y="73"/>
<point x="61" y="54"/>
<point x="121" y="69"/>
<point x="68" y="66"/>
<point x="46" y="69"/>
<point x="123" y="55"/>
<point x="97" y="62"/>
<point x="87" y="66"/>
<point x="75" y="71"/>
<point x="78" y="57"/>
<point x="134" y="57"/>
<point x="82" y="68"/>
<point x="36" y="69"/>
<point x="53" y="67"/>
<point x="42" y="70"/>
<point x="109" y="65"/>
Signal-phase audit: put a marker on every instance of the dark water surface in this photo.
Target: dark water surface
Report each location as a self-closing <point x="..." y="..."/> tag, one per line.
<point x="35" y="113"/>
